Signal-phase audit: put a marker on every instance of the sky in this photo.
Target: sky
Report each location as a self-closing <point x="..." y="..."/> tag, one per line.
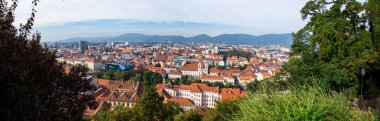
<point x="62" y="19"/>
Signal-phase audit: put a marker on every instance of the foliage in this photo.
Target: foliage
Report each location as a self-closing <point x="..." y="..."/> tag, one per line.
<point x="151" y="78"/>
<point x="110" y="75"/>
<point x="170" y="110"/>
<point x="188" y="116"/>
<point x="238" y="53"/>
<point x="337" y="41"/>
<point x="119" y="75"/>
<point x="149" y="107"/>
<point x="97" y="74"/>
<point x="302" y="103"/>
<point x="222" y="111"/>
<point x="34" y="86"/>
<point x="177" y="81"/>
<point x="253" y="86"/>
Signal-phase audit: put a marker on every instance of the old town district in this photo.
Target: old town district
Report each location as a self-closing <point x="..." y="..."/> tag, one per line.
<point x="190" y="75"/>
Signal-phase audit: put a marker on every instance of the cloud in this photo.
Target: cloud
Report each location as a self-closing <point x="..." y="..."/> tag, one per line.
<point x="252" y="16"/>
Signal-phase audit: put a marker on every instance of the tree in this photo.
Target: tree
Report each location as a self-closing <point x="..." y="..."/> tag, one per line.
<point x="34" y="86"/>
<point x="335" y="43"/>
<point x="197" y="81"/>
<point x="120" y="113"/>
<point x="97" y="74"/>
<point x="110" y="75"/>
<point x="177" y="81"/>
<point x="120" y="75"/>
<point x="170" y="110"/>
<point x="188" y="116"/>
<point x="151" y="78"/>
<point x="149" y="106"/>
<point x="222" y="112"/>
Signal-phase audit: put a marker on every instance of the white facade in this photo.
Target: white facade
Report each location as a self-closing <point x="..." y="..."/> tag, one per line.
<point x="174" y="76"/>
<point x="201" y="99"/>
<point x="191" y="73"/>
<point x="213" y="80"/>
<point x="93" y="66"/>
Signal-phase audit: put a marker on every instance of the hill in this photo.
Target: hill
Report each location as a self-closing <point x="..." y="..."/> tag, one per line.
<point x="231" y="39"/>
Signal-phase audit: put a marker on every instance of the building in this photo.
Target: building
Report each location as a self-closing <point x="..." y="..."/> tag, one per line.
<point x="124" y="93"/>
<point x="212" y="79"/>
<point x="119" y="66"/>
<point x="184" y="103"/>
<point x="93" y="64"/>
<point x="83" y="46"/>
<point x="201" y="95"/>
<point x="174" y="74"/>
<point x="231" y="94"/>
<point x="194" y="68"/>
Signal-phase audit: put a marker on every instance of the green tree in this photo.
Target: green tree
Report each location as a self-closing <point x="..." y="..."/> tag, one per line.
<point x="34" y="86"/>
<point x="98" y="74"/>
<point x="222" y="112"/>
<point x="197" y="81"/>
<point x="335" y="43"/>
<point x="102" y="115"/>
<point x="177" y="81"/>
<point x="170" y="110"/>
<point x="149" y="106"/>
<point x="120" y="75"/>
<point x="188" y="116"/>
<point x="151" y="78"/>
<point x="110" y="75"/>
<point x="120" y="113"/>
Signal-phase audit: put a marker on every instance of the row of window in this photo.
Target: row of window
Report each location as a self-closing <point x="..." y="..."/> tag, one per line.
<point x="122" y="103"/>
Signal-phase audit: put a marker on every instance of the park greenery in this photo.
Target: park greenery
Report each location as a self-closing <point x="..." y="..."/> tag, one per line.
<point x="237" y="53"/>
<point x="340" y="38"/>
<point x="146" y="76"/>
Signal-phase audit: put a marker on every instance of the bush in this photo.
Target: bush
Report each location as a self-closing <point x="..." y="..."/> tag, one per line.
<point x="302" y="103"/>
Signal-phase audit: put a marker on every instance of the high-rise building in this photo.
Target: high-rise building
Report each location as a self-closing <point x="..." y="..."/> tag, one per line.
<point x="83" y="46"/>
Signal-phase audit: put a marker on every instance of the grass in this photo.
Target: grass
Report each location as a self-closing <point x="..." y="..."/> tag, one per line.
<point x="301" y="104"/>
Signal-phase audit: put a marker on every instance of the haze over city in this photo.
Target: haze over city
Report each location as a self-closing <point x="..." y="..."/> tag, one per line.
<point x="62" y="19"/>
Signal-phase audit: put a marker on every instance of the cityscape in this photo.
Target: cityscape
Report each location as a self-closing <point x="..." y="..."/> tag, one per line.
<point x="222" y="65"/>
<point x="190" y="60"/>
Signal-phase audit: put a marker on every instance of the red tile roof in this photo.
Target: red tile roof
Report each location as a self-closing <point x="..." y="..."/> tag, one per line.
<point x="182" y="101"/>
<point x="190" y="67"/>
<point x="231" y="93"/>
<point x="199" y="88"/>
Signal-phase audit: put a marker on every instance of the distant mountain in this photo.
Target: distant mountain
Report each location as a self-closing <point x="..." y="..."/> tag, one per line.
<point x="200" y="38"/>
<point x="92" y="39"/>
<point x="232" y="39"/>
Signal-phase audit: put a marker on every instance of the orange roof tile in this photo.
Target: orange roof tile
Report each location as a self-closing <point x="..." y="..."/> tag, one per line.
<point x="211" y="77"/>
<point x="182" y="101"/>
<point x="265" y="74"/>
<point x="231" y="93"/>
<point x="199" y="88"/>
<point x="190" y="67"/>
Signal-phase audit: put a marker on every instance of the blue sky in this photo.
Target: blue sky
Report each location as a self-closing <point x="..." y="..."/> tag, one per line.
<point x="61" y="19"/>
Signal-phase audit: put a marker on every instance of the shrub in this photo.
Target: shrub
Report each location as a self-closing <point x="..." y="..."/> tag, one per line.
<point x="301" y="103"/>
